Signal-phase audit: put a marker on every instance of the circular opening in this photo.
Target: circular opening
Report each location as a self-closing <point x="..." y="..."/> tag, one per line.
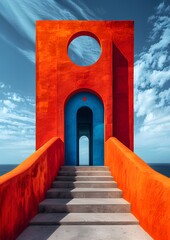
<point x="84" y="50"/>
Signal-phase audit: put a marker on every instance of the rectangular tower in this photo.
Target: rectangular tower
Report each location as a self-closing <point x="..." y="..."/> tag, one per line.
<point x="110" y="78"/>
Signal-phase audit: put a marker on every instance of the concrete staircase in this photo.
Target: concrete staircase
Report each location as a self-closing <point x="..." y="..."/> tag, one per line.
<point x="84" y="202"/>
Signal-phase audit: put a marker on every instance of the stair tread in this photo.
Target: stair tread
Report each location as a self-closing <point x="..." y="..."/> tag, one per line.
<point x="85" y="181"/>
<point x="84" y="218"/>
<point x="85" y="168"/>
<point x="83" y="201"/>
<point x="84" y="173"/>
<point x="78" y="171"/>
<point x="84" y="190"/>
<point x="83" y="184"/>
<point x="85" y="176"/>
<point x="82" y="232"/>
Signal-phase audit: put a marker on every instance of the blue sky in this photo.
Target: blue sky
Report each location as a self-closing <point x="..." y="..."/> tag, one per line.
<point x="17" y="69"/>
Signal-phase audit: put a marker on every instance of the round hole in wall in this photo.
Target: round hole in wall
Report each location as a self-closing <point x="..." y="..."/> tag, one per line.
<point x="84" y="49"/>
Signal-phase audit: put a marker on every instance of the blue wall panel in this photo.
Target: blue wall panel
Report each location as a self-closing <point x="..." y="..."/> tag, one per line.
<point x="84" y="99"/>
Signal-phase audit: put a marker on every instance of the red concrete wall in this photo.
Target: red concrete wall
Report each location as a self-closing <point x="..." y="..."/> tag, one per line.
<point x="22" y="189"/>
<point x="146" y="190"/>
<point x="58" y="77"/>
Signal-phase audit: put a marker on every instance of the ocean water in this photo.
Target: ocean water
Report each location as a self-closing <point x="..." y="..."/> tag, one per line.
<point x="4" y="168"/>
<point x="163" y="168"/>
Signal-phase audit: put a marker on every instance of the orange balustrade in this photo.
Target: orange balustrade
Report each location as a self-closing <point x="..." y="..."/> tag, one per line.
<point x="22" y="189"/>
<point x="146" y="190"/>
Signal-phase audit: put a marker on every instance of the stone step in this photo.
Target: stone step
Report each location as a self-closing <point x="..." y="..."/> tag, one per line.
<point x="84" y="219"/>
<point x="84" y="193"/>
<point x="84" y="184"/>
<point x="80" y="205"/>
<point x="84" y="168"/>
<point x="84" y="178"/>
<point x="79" y="232"/>
<point x="84" y="173"/>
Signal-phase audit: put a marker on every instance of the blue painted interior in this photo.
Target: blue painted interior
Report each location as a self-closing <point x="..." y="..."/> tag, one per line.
<point x="85" y="128"/>
<point x="84" y="99"/>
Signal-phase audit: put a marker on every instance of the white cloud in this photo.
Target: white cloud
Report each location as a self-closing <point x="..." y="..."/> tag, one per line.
<point x="2" y="85"/>
<point x="15" y="97"/>
<point x="161" y="8"/>
<point x="9" y="104"/>
<point x="158" y="119"/>
<point x="161" y="61"/>
<point x="145" y="102"/>
<point x="83" y="10"/>
<point x="152" y="142"/>
<point x="152" y="90"/>
<point x="17" y="126"/>
<point x="164" y="97"/>
<point x="30" y="54"/>
<point x="159" y="78"/>
<point x="152" y="66"/>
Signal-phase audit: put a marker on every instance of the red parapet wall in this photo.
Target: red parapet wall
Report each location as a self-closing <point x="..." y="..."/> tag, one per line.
<point x="146" y="190"/>
<point x="110" y="78"/>
<point x="22" y="189"/>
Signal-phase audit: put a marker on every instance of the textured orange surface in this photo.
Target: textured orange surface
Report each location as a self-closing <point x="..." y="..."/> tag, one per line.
<point x="58" y="78"/>
<point x="146" y="190"/>
<point x="22" y="189"/>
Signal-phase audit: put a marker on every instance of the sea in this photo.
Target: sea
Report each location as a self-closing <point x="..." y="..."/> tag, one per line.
<point x="163" y="168"/>
<point x="5" y="168"/>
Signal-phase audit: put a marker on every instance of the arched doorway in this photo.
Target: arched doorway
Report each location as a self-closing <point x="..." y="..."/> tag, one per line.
<point x="85" y="136"/>
<point x="84" y="117"/>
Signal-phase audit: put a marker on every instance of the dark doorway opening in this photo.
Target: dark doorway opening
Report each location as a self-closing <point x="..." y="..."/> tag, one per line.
<point x="85" y="136"/>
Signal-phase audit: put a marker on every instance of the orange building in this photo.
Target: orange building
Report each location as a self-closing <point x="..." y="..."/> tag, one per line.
<point x="106" y="86"/>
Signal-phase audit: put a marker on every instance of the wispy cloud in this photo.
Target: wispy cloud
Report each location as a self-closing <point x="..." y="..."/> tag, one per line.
<point x="152" y="86"/>
<point x="18" y="18"/>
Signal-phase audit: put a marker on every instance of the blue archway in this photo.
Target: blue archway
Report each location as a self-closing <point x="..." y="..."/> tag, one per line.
<point x="75" y="103"/>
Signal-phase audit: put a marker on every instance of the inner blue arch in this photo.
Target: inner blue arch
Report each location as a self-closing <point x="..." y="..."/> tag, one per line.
<point x="77" y="101"/>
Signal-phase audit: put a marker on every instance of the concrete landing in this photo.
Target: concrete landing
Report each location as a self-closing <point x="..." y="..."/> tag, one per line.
<point x="79" y="232"/>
